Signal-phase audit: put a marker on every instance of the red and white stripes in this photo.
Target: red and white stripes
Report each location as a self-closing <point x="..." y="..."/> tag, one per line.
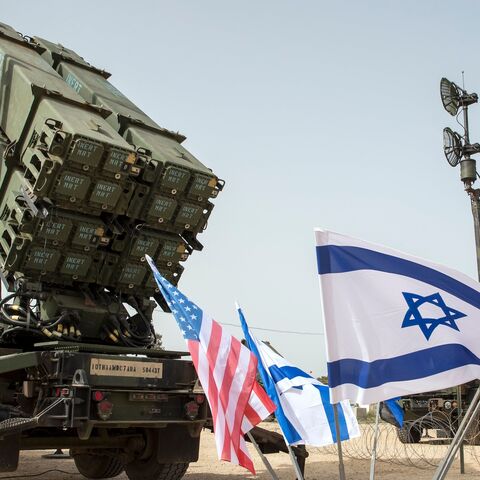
<point x="227" y="371"/>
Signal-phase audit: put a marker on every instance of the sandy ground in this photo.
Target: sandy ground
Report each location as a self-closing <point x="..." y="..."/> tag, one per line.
<point x="320" y="465"/>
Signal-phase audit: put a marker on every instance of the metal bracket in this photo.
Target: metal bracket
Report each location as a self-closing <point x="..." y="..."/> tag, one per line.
<point x="80" y="378"/>
<point x="30" y="199"/>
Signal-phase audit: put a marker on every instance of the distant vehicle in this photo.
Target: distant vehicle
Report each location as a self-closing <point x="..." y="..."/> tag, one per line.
<point x="435" y="410"/>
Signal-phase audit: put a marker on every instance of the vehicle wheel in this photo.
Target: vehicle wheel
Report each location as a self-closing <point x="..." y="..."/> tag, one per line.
<point x="409" y="433"/>
<point x="97" y="466"/>
<point x="152" y="470"/>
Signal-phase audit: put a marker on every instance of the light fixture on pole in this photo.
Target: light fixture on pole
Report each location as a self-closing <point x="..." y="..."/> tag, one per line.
<point x="458" y="150"/>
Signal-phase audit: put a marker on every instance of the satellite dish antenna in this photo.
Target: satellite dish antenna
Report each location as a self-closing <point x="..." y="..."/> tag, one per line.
<point x="450" y="94"/>
<point x="454" y="97"/>
<point x="452" y="146"/>
<point x="457" y="148"/>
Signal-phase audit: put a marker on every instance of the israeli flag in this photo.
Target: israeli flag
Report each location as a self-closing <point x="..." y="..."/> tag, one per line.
<point x="304" y="411"/>
<point x="392" y="412"/>
<point x="395" y="324"/>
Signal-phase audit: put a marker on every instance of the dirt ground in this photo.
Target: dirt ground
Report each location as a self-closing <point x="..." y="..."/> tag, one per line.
<point x="320" y="465"/>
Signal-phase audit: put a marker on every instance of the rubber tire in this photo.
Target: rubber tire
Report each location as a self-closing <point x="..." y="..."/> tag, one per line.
<point x="409" y="434"/>
<point x="151" y="470"/>
<point x="97" y="466"/>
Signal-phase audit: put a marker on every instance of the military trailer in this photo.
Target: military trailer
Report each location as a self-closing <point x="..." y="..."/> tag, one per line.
<point x="89" y="185"/>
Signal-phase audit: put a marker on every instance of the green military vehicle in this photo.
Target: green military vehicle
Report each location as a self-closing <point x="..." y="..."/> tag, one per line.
<point x="89" y="185"/>
<point x="436" y="410"/>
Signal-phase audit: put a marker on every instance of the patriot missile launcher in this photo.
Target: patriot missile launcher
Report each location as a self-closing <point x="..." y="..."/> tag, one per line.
<point x="90" y="185"/>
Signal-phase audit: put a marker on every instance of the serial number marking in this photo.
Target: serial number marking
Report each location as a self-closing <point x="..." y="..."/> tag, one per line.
<point x="116" y="368"/>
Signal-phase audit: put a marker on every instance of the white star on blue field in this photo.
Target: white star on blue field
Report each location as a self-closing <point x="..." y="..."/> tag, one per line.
<point x="186" y="313"/>
<point x="427" y="325"/>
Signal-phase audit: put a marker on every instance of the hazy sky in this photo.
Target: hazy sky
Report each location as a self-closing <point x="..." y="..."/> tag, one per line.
<point x="316" y="114"/>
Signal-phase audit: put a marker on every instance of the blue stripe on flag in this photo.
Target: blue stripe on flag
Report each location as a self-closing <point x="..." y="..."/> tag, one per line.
<point x="410" y="366"/>
<point x="335" y="259"/>
<point x="344" y="434"/>
<point x="288" y="429"/>
<point x="396" y="410"/>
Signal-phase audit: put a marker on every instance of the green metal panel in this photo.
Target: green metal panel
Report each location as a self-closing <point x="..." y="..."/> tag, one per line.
<point x="174" y="176"/>
<point x="21" y="67"/>
<point x="109" y="349"/>
<point x="76" y="264"/>
<point x="56" y="230"/>
<point x="19" y="361"/>
<point x="160" y="210"/>
<point x="94" y="88"/>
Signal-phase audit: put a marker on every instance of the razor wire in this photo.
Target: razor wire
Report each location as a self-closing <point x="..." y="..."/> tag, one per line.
<point x="420" y="444"/>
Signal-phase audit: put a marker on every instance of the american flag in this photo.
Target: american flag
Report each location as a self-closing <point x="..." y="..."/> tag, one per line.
<point x="227" y="371"/>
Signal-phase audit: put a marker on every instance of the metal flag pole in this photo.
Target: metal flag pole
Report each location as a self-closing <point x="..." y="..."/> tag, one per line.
<point x="293" y="458"/>
<point x="263" y="457"/>
<point x="298" y="472"/>
<point x="341" y="466"/>
<point x="474" y="408"/>
<point x="375" y="440"/>
<point x="459" y="419"/>
<point x="457" y="440"/>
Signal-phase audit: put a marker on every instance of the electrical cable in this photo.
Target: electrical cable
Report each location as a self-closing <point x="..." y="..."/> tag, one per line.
<point x="460" y="123"/>
<point x="275" y="330"/>
<point x="39" y="474"/>
<point x="17" y="316"/>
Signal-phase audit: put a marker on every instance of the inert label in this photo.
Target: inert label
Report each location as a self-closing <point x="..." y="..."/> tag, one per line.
<point x="73" y="82"/>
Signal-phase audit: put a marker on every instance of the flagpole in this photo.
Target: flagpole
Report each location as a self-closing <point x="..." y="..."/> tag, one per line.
<point x="294" y="462"/>
<point x="474" y="408"/>
<point x="341" y="466"/>
<point x="459" y="406"/>
<point x="293" y="458"/>
<point x="263" y="457"/>
<point x="375" y="440"/>
<point x="470" y="416"/>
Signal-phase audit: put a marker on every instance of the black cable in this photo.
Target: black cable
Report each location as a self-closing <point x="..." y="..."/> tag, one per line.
<point x="55" y="320"/>
<point x="117" y="327"/>
<point x="13" y="330"/>
<point x="275" y="330"/>
<point x="132" y="301"/>
<point x="460" y="123"/>
<point x="40" y="474"/>
<point x="6" y="316"/>
<point x="133" y="340"/>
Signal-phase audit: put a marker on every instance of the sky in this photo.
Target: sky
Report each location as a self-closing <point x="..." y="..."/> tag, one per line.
<point x="315" y="113"/>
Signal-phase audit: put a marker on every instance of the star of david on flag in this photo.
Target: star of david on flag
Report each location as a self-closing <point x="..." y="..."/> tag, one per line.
<point x="429" y="324"/>
<point x="395" y="324"/>
<point x="227" y="371"/>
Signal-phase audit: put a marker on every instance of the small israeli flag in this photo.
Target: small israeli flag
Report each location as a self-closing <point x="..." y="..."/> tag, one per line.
<point x="304" y="411"/>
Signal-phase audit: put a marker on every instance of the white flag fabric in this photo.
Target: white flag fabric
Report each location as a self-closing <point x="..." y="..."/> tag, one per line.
<point x="395" y="324"/>
<point x="304" y="411"/>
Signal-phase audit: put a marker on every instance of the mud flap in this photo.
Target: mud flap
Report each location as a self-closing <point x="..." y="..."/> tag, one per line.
<point x="9" y="452"/>
<point x="176" y="445"/>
